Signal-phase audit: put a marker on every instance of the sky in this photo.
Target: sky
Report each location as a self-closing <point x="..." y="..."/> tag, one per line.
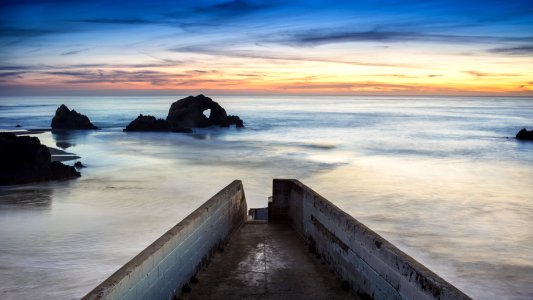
<point x="266" y="47"/>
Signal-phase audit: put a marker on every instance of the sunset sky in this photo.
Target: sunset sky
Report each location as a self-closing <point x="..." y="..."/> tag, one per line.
<point x="266" y="47"/>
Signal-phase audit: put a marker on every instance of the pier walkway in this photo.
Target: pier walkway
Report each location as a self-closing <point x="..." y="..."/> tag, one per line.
<point x="266" y="261"/>
<point x="308" y="249"/>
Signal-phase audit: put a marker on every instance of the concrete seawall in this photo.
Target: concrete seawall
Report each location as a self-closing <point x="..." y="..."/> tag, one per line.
<point x="164" y="267"/>
<point x="370" y="265"/>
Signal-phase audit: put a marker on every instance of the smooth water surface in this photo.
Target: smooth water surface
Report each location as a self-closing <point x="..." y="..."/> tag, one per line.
<point x="442" y="178"/>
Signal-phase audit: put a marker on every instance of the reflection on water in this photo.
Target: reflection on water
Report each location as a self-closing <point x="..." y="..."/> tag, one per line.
<point x="68" y="138"/>
<point x="438" y="177"/>
<point x="64" y="145"/>
<point x="25" y="197"/>
<point x="440" y="213"/>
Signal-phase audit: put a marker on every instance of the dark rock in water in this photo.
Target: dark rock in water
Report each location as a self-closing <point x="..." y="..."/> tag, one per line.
<point x="18" y="126"/>
<point x="70" y="119"/>
<point x="185" y="114"/>
<point x="232" y="120"/>
<point x="525" y="135"/>
<point x="189" y="113"/>
<point x="147" y="123"/>
<point x="23" y="159"/>
<point x="79" y="165"/>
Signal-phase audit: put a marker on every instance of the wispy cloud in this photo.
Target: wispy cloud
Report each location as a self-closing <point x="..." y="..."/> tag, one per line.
<point x="347" y="86"/>
<point x="234" y="8"/>
<point x="39" y="68"/>
<point x="316" y="37"/>
<point x="129" y="21"/>
<point x="10" y="74"/>
<point x="526" y="50"/>
<point x="27" y="32"/>
<point x="486" y="74"/>
<point x="10" y="36"/>
<point x="408" y="76"/>
<point x="263" y="55"/>
<point x="148" y="77"/>
<point x="73" y="52"/>
<point x="115" y="76"/>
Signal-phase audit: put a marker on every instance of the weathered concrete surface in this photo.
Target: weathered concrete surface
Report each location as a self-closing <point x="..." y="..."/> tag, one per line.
<point x="373" y="267"/>
<point x="161" y="270"/>
<point x="266" y="261"/>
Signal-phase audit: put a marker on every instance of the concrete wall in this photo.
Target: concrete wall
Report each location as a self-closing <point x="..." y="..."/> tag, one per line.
<point x="373" y="267"/>
<point x="160" y="271"/>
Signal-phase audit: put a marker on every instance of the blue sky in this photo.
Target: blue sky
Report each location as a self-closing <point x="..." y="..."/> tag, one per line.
<point x="323" y="47"/>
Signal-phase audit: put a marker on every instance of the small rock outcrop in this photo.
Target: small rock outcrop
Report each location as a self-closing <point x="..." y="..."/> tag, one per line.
<point x="185" y="114"/>
<point x="525" y="135"/>
<point x="147" y="123"/>
<point x="23" y="160"/>
<point x="79" y="165"/>
<point x="70" y="119"/>
<point x="189" y="113"/>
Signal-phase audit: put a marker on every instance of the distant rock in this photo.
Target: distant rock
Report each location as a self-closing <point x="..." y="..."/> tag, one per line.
<point x="23" y="159"/>
<point x="189" y="113"/>
<point x="79" y="165"/>
<point x="185" y="114"/>
<point x="18" y="126"/>
<point x="148" y="123"/>
<point x="525" y="135"/>
<point x="70" y="119"/>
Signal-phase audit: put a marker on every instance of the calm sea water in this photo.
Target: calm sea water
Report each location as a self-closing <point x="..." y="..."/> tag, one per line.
<point x="442" y="178"/>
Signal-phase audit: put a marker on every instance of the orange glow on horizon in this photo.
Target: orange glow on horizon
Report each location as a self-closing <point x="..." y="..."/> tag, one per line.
<point x="402" y="73"/>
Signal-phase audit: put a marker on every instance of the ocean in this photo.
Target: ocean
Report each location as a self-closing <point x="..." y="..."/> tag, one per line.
<point x="440" y="177"/>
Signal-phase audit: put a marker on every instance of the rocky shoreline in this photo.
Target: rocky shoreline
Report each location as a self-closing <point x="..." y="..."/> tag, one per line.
<point x="23" y="159"/>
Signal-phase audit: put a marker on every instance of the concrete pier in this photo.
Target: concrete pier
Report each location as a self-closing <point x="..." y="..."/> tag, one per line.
<point x="308" y="249"/>
<point x="266" y="261"/>
<point x="163" y="268"/>
<point x="373" y="267"/>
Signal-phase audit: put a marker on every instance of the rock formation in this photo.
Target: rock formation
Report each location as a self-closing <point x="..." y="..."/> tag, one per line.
<point x="185" y="114"/>
<point x="189" y="113"/>
<point x="525" y="135"/>
<point x="70" y="119"/>
<point x="23" y="159"/>
<point x="147" y="123"/>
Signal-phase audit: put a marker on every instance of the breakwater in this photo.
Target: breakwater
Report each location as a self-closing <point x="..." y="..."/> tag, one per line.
<point x="362" y="259"/>
<point x="163" y="268"/>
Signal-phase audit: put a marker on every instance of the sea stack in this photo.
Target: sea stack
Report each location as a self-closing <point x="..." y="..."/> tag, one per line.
<point x="71" y="119"/>
<point x="525" y="135"/>
<point x="185" y="114"/>
<point x="148" y="123"/>
<point x="23" y="160"/>
<point x="189" y="113"/>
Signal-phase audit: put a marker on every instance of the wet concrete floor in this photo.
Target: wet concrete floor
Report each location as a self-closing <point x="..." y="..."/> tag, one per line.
<point x="266" y="261"/>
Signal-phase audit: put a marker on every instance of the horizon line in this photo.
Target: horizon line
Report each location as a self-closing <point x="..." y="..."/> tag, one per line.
<point x="216" y="94"/>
